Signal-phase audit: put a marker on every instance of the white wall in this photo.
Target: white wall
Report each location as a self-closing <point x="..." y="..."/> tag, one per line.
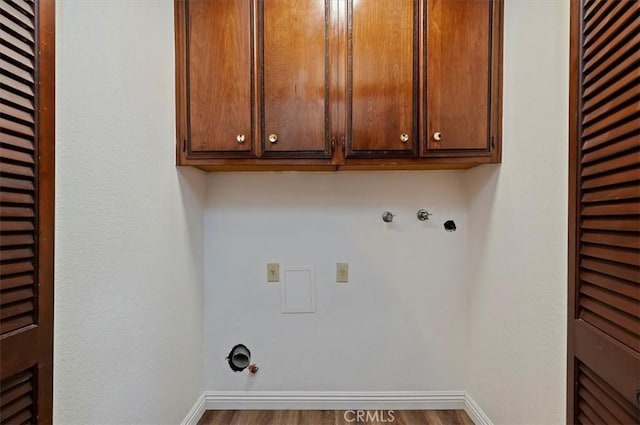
<point x="518" y="229"/>
<point x="399" y="324"/>
<point x="129" y="319"/>
<point x="418" y="314"/>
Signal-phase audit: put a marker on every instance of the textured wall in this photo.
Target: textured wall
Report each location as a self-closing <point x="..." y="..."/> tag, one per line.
<point x="398" y="325"/>
<point x="518" y="230"/>
<point x="128" y="325"/>
<point x="419" y="313"/>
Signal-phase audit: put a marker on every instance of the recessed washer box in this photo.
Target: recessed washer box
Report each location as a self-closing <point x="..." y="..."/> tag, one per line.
<point x="298" y="290"/>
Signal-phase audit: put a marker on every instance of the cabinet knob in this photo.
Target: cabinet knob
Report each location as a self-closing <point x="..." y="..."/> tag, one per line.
<point x="240" y="138"/>
<point x="437" y="136"/>
<point x="404" y="137"/>
<point x="273" y="138"/>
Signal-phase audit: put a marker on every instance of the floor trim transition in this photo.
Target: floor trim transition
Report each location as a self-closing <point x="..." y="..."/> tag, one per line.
<point x="336" y="400"/>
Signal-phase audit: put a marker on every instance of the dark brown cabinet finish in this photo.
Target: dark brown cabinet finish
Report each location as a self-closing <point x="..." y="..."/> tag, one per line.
<point x="220" y="75"/>
<point x="383" y="83"/>
<point x="338" y="84"/>
<point x="458" y="71"/>
<point x="294" y="77"/>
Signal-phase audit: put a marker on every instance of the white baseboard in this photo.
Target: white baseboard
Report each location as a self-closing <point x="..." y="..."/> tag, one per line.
<point x="196" y="412"/>
<point x="336" y="400"/>
<point x="475" y="412"/>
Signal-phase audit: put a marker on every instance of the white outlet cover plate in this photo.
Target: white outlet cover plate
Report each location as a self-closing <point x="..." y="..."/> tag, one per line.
<point x="298" y="290"/>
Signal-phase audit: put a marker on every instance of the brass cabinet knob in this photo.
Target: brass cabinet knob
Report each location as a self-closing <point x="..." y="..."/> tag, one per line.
<point x="437" y="136"/>
<point x="404" y="137"/>
<point x="240" y="138"/>
<point x="273" y="138"/>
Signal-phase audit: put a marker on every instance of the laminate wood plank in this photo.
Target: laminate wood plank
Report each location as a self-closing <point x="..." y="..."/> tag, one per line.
<point x="334" y="417"/>
<point x="412" y="417"/>
<point x="316" y="416"/>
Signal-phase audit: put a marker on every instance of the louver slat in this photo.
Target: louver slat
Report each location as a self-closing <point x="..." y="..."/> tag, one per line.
<point x="601" y="403"/>
<point x="604" y="305"/>
<point x="17" y="399"/>
<point x="27" y="121"/>
<point x="17" y="168"/>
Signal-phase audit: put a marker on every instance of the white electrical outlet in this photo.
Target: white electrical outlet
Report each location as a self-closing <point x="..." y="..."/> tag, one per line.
<point x="342" y="272"/>
<point x="273" y="272"/>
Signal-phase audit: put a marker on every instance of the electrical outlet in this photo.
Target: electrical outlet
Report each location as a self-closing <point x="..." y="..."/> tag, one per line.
<point x="342" y="272"/>
<point x="273" y="272"/>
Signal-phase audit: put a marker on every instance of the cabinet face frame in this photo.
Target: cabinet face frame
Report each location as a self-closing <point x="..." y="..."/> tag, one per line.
<point x="338" y="102"/>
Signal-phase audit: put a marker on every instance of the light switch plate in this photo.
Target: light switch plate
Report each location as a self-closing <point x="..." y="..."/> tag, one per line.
<point x="342" y="272"/>
<point x="273" y="272"/>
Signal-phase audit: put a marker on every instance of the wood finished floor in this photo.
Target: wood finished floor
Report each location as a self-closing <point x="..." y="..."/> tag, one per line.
<point x="332" y="417"/>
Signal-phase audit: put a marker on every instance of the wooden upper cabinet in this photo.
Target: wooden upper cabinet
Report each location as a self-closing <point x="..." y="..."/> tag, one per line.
<point x="294" y="78"/>
<point x="220" y="77"/>
<point x="382" y="77"/>
<point x="458" y="56"/>
<point x="338" y="84"/>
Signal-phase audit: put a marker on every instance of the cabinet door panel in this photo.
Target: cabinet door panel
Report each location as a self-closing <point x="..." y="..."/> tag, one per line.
<point x="382" y="75"/>
<point x="458" y="72"/>
<point x="220" y="93"/>
<point x="294" y="87"/>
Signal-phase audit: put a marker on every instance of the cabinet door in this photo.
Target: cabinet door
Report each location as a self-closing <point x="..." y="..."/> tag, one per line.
<point x="294" y="98"/>
<point x="458" y="73"/>
<point x="220" y="77"/>
<point x="382" y="77"/>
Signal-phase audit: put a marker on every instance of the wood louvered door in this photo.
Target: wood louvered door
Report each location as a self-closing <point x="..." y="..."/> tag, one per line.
<point x="26" y="210"/>
<point x="604" y="213"/>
